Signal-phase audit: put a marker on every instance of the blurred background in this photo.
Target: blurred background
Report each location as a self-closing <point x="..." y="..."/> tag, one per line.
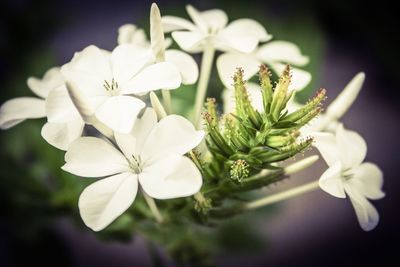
<point x="340" y="37"/>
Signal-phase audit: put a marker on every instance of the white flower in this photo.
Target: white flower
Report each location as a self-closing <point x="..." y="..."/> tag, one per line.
<point x="275" y="54"/>
<point x="152" y="156"/>
<point x="130" y="34"/>
<point x="110" y="80"/>
<point x="19" y="109"/>
<point x="210" y="27"/>
<point x="344" y="154"/>
<point x="65" y="124"/>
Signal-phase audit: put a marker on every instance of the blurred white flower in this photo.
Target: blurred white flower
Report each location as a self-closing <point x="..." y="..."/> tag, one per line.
<point x="19" y="109"/>
<point x="130" y="34"/>
<point x="111" y="81"/>
<point x="210" y="27"/>
<point x="152" y="156"/>
<point x="347" y="174"/>
<point x="275" y="54"/>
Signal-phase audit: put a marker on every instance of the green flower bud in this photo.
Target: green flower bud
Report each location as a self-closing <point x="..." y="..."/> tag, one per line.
<point x="239" y="170"/>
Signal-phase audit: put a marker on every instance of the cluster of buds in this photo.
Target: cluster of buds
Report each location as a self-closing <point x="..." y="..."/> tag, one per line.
<point x="247" y="141"/>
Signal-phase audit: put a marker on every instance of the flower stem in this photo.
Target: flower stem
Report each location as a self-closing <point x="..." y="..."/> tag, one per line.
<point x="153" y="207"/>
<point x="205" y="71"/>
<point x="265" y="201"/>
<point x="167" y="101"/>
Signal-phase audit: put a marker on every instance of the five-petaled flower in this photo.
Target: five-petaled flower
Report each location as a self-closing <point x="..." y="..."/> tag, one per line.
<point x="210" y="28"/>
<point x="344" y="154"/>
<point x="152" y="156"/>
<point x="113" y="82"/>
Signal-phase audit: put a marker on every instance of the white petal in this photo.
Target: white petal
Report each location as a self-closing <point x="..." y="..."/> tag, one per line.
<point x="353" y="147"/>
<point x="162" y="75"/>
<point x="19" y="109"/>
<point x="367" y="215"/>
<point x="172" y="135"/>
<point x="127" y="60"/>
<point x="130" y="34"/>
<point x="249" y="27"/>
<point x="120" y="112"/>
<point x="59" y="107"/>
<point x="242" y="35"/>
<point x="188" y="41"/>
<point x="94" y="157"/>
<point x="171" y="23"/>
<point x="89" y="69"/>
<point x="345" y="99"/>
<point x="215" y="19"/>
<point x="331" y="181"/>
<point x="127" y="144"/>
<point x="105" y="200"/>
<point x="172" y="177"/>
<point x="300" y="78"/>
<point x="283" y="52"/>
<point x="185" y="63"/>
<point x="228" y="63"/>
<point x="61" y="135"/>
<point x="196" y="17"/>
<point x="143" y="127"/>
<point x="368" y="180"/>
<point x="327" y="146"/>
<point x="51" y="79"/>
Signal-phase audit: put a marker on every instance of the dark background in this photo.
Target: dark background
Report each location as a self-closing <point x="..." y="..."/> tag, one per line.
<point x="341" y="37"/>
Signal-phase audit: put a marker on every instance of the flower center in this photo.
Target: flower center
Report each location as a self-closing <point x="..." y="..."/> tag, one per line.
<point x="347" y="174"/>
<point x="111" y="87"/>
<point x="135" y="164"/>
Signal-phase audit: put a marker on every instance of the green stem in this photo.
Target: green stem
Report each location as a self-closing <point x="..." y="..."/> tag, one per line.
<point x="167" y="101"/>
<point x="153" y="207"/>
<point x="205" y="71"/>
<point x="265" y="201"/>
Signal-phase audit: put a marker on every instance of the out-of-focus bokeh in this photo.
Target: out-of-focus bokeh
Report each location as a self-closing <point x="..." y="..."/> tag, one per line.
<point x="341" y="38"/>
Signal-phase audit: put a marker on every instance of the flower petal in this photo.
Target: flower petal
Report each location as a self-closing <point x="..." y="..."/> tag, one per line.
<point x="367" y="215"/>
<point x="172" y="23"/>
<point x="127" y="60"/>
<point x="189" y="41"/>
<point x="172" y="177"/>
<point x="105" y="200"/>
<point x="242" y="35"/>
<point x="327" y="146"/>
<point x="120" y="112"/>
<point x="249" y="27"/>
<point x="162" y="75"/>
<point x="131" y="34"/>
<point x="185" y="63"/>
<point x="127" y="144"/>
<point x="94" y="157"/>
<point x="353" y="147"/>
<point x="228" y="63"/>
<point x="89" y="69"/>
<point x="215" y="19"/>
<point x="171" y="135"/>
<point x="59" y="107"/>
<point x="143" y="127"/>
<point x="196" y="17"/>
<point x="283" y="52"/>
<point x="368" y="180"/>
<point x="331" y="181"/>
<point x="300" y="78"/>
<point x="51" y="79"/>
<point x="345" y="99"/>
<point x="19" y="109"/>
<point x="61" y="135"/>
